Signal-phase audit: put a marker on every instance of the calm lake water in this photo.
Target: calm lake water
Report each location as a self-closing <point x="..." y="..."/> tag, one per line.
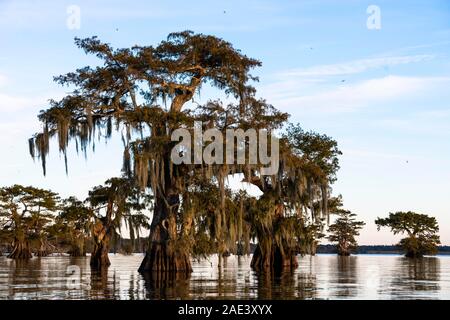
<point x="318" y="277"/>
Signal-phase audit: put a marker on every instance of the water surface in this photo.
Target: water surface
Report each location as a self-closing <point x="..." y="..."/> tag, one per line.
<point x="317" y="277"/>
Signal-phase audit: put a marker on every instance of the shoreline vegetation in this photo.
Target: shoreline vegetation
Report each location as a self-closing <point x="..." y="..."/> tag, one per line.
<point x="376" y="249"/>
<point x="125" y="245"/>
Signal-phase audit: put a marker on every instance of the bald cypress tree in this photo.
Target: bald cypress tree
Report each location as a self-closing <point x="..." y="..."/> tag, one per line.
<point x="144" y="90"/>
<point x="116" y="203"/>
<point x="344" y="230"/>
<point x="147" y="92"/>
<point x="25" y="212"/>
<point x="421" y="232"/>
<point x="73" y="225"/>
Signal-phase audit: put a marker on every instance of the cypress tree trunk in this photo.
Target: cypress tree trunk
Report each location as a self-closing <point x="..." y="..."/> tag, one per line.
<point x="42" y="251"/>
<point x="77" y="248"/>
<point x="412" y="246"/>
<point x="268" y="256"/>
<point x="101" y="235"/>
<point x="313" y="249"/>
<point x="20" y="248"/>
<point x="76" y="251"/>
<point x="413" y="254"/>
<point x="343" y="249"/>
<point x="162" y="254"/>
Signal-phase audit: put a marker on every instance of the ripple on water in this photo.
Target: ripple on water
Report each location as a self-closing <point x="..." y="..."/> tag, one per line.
<point x="317" y="277"/>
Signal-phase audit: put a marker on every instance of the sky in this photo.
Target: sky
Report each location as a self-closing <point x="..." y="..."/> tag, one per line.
<point x="376" y="81"/>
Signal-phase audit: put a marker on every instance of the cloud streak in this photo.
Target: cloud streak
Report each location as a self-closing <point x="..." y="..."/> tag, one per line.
<point x="348" y="98"/>
<point x="356" y="66"/>
<point x="3" y="80"/>
<point x="11" y="103"/>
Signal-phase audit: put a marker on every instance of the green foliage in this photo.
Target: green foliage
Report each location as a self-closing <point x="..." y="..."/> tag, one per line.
<point x="309" y="236"/>
<point x="137" y="78"/>
<point x="344" y="230"/>
<point x="318" y="149"/>
<point x="141" y="92"/>
<point x="421" y="230"/>
<point x="120" y="202"/>
<point x="72" y="226"/>
<point x="25" y="215"/>
<point x="39" y="220"/>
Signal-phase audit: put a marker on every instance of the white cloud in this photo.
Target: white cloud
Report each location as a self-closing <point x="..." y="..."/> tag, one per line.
<point x="346" y="98"/>
<point x="356" y="66"/>
<point x="10" y="103"/>
<point x="373" y="155"/>
<point x="27" y="13"/>
<point x="433" y="123"/>
<point x="3" y="80"/>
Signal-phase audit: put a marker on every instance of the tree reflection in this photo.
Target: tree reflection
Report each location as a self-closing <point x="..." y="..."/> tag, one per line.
<point x="24" y="278"/>
<point x="287" y="284"/>
<point x="100" y="288"/>
<point x="347" y="276"/>
<point x="166" y="285"/>
<point x="415" y="275"/>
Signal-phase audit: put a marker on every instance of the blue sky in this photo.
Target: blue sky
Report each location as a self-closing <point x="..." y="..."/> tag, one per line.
<point x="382" y="94"/>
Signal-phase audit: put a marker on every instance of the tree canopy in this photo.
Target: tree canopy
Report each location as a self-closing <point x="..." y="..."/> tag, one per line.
<point x="147" y="92"/>
<point x="25" y="213"/>
<point x="421" y="231"/>
<point x="344" y="230"/>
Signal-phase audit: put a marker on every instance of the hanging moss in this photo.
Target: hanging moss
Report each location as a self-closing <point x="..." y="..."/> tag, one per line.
<point x="142" y="92"/>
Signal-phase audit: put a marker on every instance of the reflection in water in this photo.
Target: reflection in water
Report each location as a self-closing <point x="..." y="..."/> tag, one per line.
<point x="318" y="277"/>
<point x="100" y="286"/>
<point x="277" y="286"/>
<point x="166" y="285"/>
<point x="347" y="276"/>
<point x="415" y="275"/>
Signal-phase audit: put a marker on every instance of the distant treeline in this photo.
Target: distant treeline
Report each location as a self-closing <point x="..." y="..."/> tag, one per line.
<point x="328" y="248"/>
<point x="322" y="248"/>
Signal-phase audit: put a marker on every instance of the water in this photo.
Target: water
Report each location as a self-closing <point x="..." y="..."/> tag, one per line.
<point x="318" y="277"/>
